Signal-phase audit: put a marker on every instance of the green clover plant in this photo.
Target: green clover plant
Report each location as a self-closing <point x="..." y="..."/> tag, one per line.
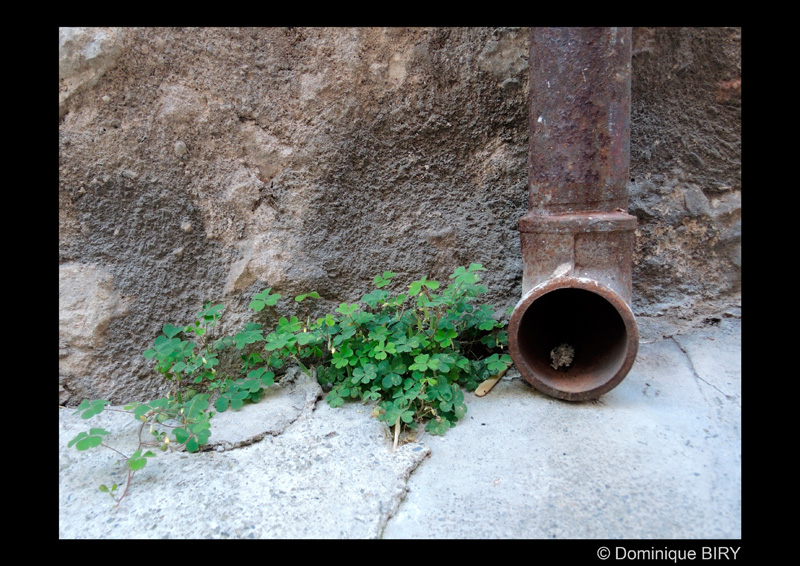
<point x="410" y="353"/>
<point x="170" y="424"/>
<point x="413" y="351"/>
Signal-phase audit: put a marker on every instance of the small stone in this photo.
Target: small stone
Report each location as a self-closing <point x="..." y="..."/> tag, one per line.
<point x="695" y="201"/>
<point x="186" y="226"/>
<point x="695" y="160"/>
<point x="180" y="148"/>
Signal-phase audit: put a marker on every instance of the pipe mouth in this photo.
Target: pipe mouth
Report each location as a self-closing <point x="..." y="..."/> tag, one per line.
<point x="573" y="339"/>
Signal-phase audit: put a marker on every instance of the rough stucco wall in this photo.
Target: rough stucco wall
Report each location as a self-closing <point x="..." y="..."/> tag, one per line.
<point x="204" y="164"/>
<point x="686" y="168"/>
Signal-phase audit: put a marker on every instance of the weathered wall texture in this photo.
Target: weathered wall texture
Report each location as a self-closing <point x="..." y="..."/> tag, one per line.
<point x="686" y="167"/>
<point x="208" y="163"/>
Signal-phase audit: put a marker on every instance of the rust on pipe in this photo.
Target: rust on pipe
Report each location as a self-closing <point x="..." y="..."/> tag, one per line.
<point x="573" y="335"/>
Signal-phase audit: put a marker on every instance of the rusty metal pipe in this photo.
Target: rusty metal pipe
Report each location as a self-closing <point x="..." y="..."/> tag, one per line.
<point x="573" y="334"/>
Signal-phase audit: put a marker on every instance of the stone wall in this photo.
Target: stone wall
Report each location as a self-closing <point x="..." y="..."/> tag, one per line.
<point x="208" y="163"/>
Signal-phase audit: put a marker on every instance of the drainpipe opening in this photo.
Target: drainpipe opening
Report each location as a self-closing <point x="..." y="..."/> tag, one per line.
<point x="574" y="339"/>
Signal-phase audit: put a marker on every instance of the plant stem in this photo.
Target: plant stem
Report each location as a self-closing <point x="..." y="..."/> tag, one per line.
<point x="127" y="485"/>
<point x="114" y="449"/>
<point x="396" y="434"/>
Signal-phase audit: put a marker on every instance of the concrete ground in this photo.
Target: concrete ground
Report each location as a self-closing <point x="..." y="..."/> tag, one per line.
<point x="658" y="457"/>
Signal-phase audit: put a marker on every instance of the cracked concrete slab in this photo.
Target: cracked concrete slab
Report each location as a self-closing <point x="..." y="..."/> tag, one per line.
<point x="658" y="457"/>
<point x="286" y="467"/>
<point x="293" y="397"/>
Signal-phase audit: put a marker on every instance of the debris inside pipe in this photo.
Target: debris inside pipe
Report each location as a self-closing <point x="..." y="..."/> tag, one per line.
<point x="562" y="355"/>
